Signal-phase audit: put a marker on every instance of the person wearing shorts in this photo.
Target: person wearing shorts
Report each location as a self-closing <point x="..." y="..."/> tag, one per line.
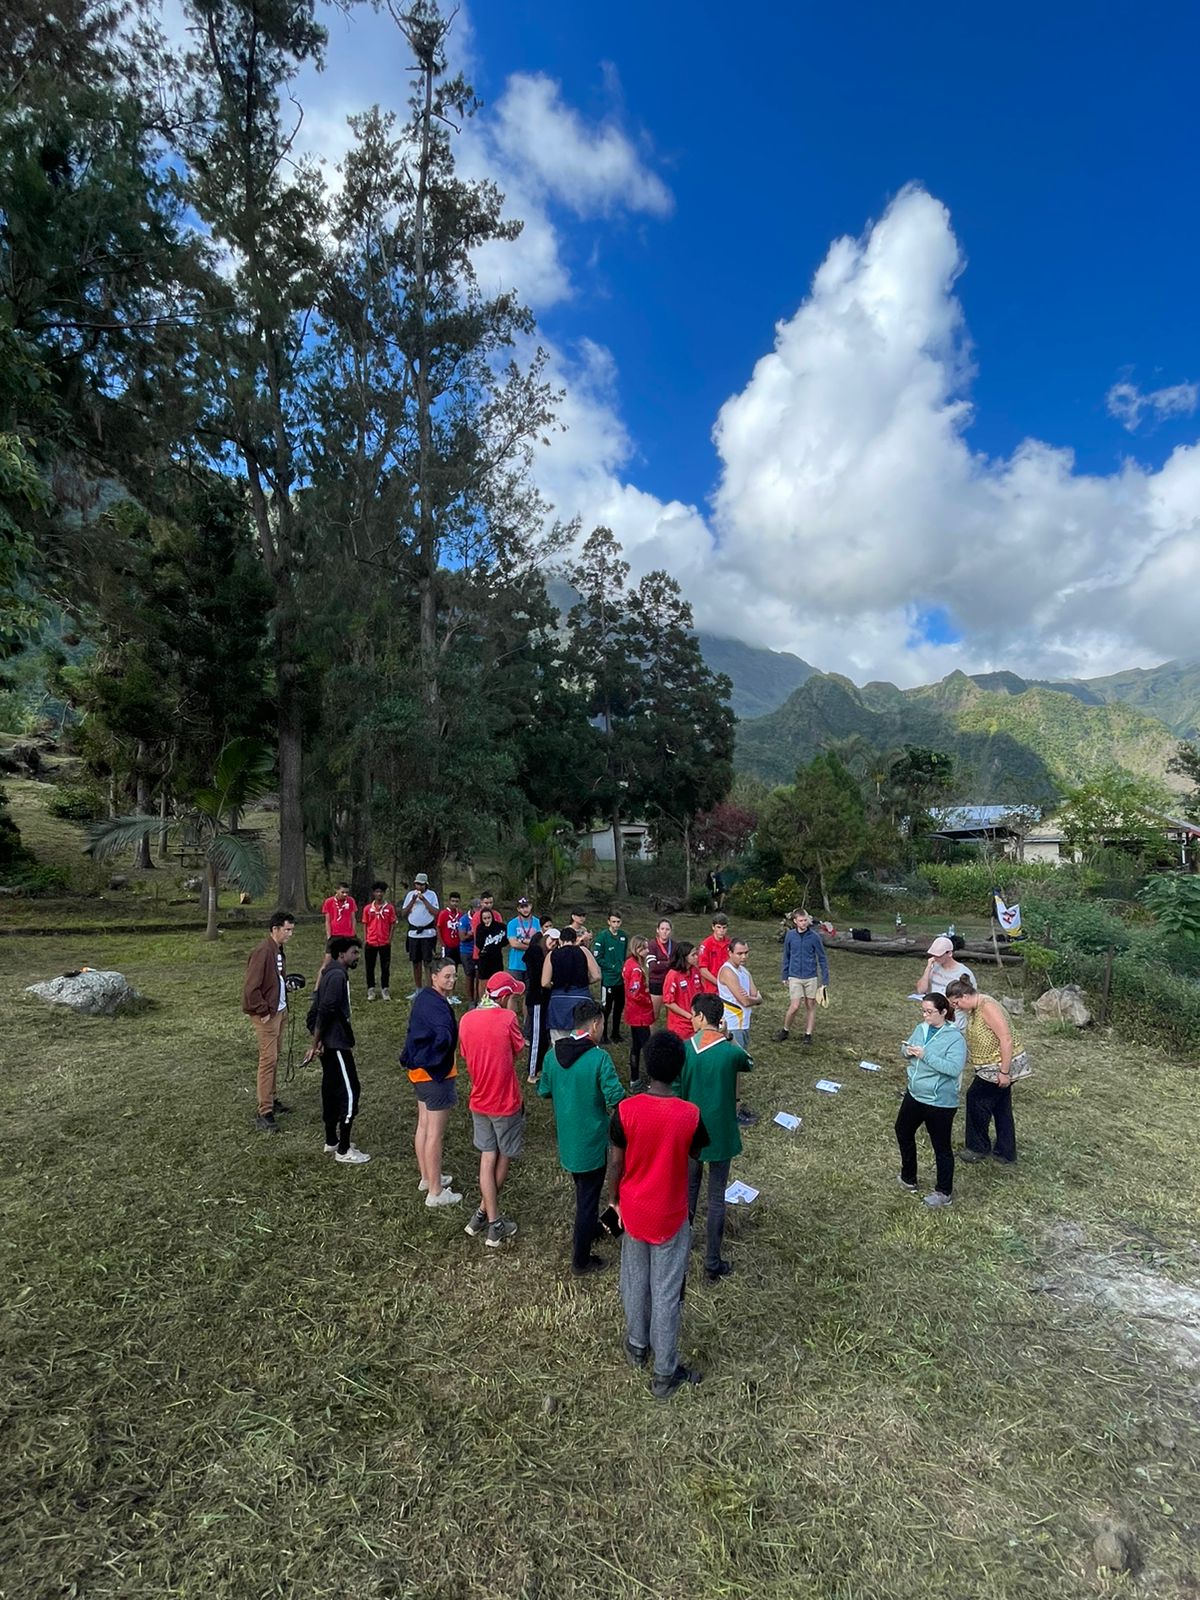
<point x="805" y="972"/>
<point x="489" y="1041"/>
<point x="659" y="954"/>
<point x="420" y="911"/>
<point x="428" y="1058"/>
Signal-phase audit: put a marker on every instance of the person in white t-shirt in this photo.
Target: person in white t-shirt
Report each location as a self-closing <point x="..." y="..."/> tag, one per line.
<point x="944" y="968"/>
<point x="420" y="909"/>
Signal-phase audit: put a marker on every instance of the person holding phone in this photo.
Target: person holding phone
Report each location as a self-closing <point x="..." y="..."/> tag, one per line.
<point x="936" y="1052"/>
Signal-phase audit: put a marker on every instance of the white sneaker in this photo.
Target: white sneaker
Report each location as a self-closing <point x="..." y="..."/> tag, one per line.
<point x="423" y="1186"/>
<point x="937" y="1199"/>
<point x="354" y="1157"/>
<point x="387" y="994"/>
<point x="454" y="1000"/>
<point x="330" y="1149"/>
<point x="414" y="994"/>
<point x="370" y="994"/>
<point x="446" y="1198"/>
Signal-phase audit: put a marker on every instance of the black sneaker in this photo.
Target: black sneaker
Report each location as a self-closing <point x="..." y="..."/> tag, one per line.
<point x="499" y="1231"/>
<point x="267" y="1124"/>
<point x="478" y="1223"/>
<point x="663" y="1388"/>
<point x="745" y="1117"/>
<point x="972" y="1156"/>
<point x="592" y="1264"/>
<point x="278" y="1107"/>
<point x="723" y="1270"/>
<point x="808" y="1038"/>
<point x="636" y="1354"/>
<point x="780" y="1036"/>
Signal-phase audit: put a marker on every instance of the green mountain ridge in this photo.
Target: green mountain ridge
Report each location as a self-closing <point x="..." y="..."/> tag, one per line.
<point x="1012" y="741"/>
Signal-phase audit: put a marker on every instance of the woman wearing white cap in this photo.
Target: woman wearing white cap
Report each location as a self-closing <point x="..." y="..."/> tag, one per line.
<point x="941" y="969"/>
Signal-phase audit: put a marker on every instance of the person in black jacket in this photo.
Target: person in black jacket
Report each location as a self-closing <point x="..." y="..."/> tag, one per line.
<point x="428" y="1058"/>
<point x="537" y="1002"/>
<point x="333" y="1041"/>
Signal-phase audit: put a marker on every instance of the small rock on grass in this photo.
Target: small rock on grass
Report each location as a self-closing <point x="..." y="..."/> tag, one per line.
<point x="1113" y="1547"/>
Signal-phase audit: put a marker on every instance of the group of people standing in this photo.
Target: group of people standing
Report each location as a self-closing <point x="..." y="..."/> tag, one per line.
<point x="655" y="1143"/>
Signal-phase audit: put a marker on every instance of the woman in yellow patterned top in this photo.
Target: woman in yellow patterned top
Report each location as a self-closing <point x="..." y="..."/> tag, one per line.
<point x="995" y="1056"/>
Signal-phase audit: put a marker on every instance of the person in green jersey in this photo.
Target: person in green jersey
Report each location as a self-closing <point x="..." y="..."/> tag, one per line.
<point x="582" y="1082"/>
<point x="710" y="1080"/>
<point x="610" y="948"/>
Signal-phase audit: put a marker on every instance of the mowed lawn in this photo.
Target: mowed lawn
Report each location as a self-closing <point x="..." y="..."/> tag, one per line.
<point x="232" y="1368"/>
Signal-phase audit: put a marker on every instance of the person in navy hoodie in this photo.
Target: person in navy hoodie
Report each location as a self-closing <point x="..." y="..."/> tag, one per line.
<point x="805" y="973"/>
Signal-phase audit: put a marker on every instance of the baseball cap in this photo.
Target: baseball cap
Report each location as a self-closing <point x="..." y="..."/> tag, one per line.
<point x="524" y="900"/>
<point x="421" y="877"/>
<point x="504" y="983"/>
<point x="941" y="947"/>
<point x="551" y="933"/>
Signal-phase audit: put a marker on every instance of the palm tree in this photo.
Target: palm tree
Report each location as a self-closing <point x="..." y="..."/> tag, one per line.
<point x="242" y="775"/>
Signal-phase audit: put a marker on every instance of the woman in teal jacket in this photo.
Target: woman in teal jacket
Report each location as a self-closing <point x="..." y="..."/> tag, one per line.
<point x="936" y="1053"/>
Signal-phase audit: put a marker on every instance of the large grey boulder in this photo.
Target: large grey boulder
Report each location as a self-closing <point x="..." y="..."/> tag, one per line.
<point x="1064" y="1005"/>
<point x="95" y="994"/>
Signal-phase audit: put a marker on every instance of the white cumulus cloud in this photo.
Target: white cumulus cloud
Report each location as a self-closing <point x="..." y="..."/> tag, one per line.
<point x="1129" y="405"/>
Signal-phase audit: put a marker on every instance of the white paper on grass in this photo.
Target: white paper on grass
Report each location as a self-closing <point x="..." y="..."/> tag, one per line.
<point x="785" y="1119"/>
<point x="870" y="1066"/>
<point x="827" y="1086"/>
<point x="740" y="1194"/>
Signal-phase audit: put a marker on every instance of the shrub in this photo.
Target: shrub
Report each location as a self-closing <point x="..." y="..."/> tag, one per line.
<point x="32" y="878"/>
<point x="1175" y="902"/>
<point x="751" y="898"/>
<point x="76" y="802"/>
<point x="786" y="894"/>
<point x="1147" y="1002"/>
<point x="1082" y="924"/>
<point x="968" y="885"/>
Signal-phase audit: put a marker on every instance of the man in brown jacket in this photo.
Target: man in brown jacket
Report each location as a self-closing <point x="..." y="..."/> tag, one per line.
<point x="264" y="1000"/>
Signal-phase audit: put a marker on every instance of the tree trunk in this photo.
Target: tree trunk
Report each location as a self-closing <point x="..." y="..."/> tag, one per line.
<point x="142" y="801"/>
<point x="212" y="890"/>
<point x="164" y="831"/>
<point x="621" y="887"/>
<point x="824" y="891"/>
<point x="687" y="860"/>
<point x="293" y="869"/>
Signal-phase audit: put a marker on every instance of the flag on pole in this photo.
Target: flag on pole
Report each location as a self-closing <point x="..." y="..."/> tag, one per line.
<point x="1009" y="917"/>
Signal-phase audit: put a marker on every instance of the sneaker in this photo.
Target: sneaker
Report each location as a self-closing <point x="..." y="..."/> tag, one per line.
<point x="447" y="1197"/>
<point x="278" y="1107"/>
<point x="780" y="1036"/>
<point x="454" y="1000"/>
<point x="330" y="1149"/>
<point x="972" y="1156"/>
<point x="723" y="1269"/>
<point x="267" y="1124"/>
<point x="746" y="1118"/>
<point x="937" y="1199"/>
<point x="663" y="1388"/>
<point x="911" y="1187"/>
<point x="354" y="1157"/>
<point x="592" y="1264"/>
<point x="386" y="994"/>
<point x="498" y="1231"/>
<point x="414" y="994"/>
<point x="808" y="1038"/>
<point x="636" y="1354"/>
<point x="370" y="994"/>
<point x="478" y="1223"/>
<point x="533" y="1077"/>
<point x="447" y="1180"/>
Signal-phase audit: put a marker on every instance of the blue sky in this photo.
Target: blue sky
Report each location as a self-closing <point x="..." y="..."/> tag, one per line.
<point x="975" y="445"/>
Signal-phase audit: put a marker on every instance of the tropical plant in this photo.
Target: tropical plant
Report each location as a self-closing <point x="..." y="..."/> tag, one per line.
<point x="1175" y="901"/>
<point x="242" y="774"/>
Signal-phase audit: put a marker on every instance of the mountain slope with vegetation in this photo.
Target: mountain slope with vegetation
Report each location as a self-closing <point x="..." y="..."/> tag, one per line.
<point x="1011" y="741"/>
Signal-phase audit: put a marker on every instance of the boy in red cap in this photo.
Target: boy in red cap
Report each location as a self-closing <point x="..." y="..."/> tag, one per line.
<point x="489" y="1041"/>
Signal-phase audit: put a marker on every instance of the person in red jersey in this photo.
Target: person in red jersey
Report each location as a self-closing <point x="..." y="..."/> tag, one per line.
<point x="652" y="1139"/>
<point x="639" y="1007"/>
<point x="489" y="1041"/>
<point x="339" y="912"/>
<point x="379" y="918"/>
<point x="713" y="954"/>
<point x="681" y="987"/>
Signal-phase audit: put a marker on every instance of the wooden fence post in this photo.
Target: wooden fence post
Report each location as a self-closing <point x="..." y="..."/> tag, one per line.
<point x="1108" y="971"/>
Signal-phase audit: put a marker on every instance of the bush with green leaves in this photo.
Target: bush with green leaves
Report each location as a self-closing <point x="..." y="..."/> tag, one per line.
<point x="1174" y="900"/>
<point x="1147" y="1001"/>
<point x="786" y="894"/>
<point x="968" y="885"/>
<point x="751" y="898"/>
<point x="1085" y="925"/>
<point x="75" y="802"/>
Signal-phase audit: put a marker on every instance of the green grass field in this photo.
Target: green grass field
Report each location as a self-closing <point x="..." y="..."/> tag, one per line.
<point x="234" y="1369"/>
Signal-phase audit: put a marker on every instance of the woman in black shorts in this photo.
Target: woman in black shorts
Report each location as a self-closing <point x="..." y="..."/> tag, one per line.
<point x="537" y="1002"/>
<point x="491" y="941"/>
<point x="659" y="955"/>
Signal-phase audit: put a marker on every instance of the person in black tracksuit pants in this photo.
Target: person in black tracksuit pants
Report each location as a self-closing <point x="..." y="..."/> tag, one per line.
<point x="333" y="1039"/>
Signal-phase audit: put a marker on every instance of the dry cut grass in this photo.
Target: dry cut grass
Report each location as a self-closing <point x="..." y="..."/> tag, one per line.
<point x="233" y="1369"/>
